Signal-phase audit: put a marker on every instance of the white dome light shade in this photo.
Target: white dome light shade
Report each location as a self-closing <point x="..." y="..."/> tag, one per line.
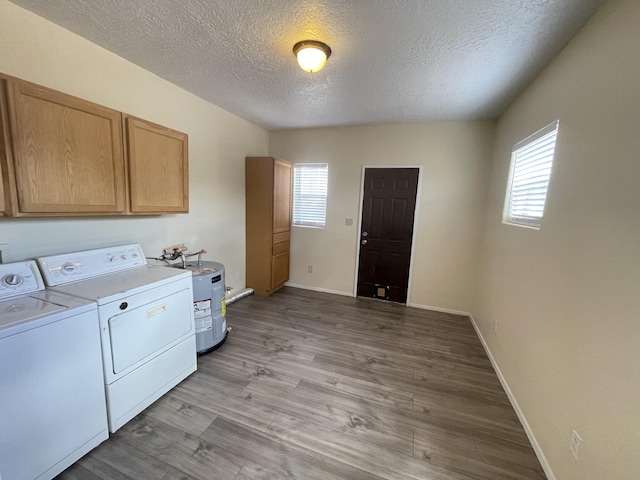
<point x="311" y="59"/>
<point x="312" y="55"/>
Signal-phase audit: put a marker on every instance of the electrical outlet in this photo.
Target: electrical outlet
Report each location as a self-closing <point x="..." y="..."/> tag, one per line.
<point x="574" y="444"/>
<point x="496" y="323"/>
<point x="310" y="269"/>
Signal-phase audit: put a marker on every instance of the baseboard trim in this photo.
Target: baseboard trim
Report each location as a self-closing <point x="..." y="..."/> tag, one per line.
<point x="438" y="309"/>
<point x="318" y="289"/>
<point x="514" y="403"/>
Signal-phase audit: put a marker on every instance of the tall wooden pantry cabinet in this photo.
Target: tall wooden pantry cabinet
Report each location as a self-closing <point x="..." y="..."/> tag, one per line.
<point x="268" y="217"/>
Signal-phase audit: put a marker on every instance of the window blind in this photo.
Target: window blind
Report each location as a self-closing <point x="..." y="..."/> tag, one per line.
<point x="531" y="161"/>
<point x="310" y="194"/>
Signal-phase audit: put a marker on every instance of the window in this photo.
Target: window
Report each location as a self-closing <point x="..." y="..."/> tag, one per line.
<point x="310" y="194"/>
<point x="531" y="161"/>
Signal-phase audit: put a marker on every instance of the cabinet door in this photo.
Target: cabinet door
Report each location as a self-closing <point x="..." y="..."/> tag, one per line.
<point x="68" y="153"/>
<point x="279" y="269"/>
<point x="5" y="155"/>
<point x="4" y="204"/>
<point x="281" y="196"/>
<point x="158" y="168"/>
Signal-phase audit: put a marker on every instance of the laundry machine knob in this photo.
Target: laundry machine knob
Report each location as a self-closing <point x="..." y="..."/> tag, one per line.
<point x="12" y="280"/>
<point x="68" y="268"/>
<point x="124" y="305"/>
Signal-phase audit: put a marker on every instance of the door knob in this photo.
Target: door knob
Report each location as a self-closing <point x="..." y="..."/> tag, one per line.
<point x="364" y="234"/>
<point x="364" y="241"/>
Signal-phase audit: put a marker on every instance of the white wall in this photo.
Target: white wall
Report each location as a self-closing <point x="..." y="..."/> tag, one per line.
<point x="455" y="157"/>
<point x="34" y="49"/>
<point x="567" y="296"/>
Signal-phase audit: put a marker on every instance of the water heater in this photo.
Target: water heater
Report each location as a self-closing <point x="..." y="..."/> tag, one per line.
<point x="209" y="306"/>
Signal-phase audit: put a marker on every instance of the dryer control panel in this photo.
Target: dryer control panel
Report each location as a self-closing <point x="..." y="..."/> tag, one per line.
<point x="72" y="267"/>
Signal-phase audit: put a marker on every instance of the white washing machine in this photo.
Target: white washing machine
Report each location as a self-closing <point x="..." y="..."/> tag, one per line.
<point x="146" y="322"/>
<point x="52" y="401"/>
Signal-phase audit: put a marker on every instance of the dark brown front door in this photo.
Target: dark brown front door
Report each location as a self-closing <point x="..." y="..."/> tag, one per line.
<point x="388" y="208"/>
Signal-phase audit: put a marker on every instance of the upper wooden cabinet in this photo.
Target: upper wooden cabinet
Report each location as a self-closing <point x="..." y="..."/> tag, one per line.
<point x="64" y="156"/>
<point x="158" y="168"/>
<point x="67" y="153"/>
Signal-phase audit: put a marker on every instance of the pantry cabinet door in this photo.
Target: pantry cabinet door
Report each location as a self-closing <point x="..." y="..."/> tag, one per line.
<point x="281" y="196"/>
<point x="68" y="153"/>
<point x="158" y="168"/>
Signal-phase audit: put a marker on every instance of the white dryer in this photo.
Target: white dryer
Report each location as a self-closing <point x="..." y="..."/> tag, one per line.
<point x="146" y="322"/>
<point x="52" y="402"/>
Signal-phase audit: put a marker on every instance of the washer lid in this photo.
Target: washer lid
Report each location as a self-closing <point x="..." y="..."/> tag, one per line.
<point x="24" y="309"/>
<point x="25" y="312"/>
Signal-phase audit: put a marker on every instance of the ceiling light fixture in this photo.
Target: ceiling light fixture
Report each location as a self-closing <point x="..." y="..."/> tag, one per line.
<point x="312" y="55"/>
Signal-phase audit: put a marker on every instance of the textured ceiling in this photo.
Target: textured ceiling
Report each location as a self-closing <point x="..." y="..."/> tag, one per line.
<point x="393" y="61"/>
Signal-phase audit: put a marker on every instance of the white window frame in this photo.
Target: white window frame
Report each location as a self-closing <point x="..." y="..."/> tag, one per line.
<point x="529" y="175"/>
<point x="310" y="211"/>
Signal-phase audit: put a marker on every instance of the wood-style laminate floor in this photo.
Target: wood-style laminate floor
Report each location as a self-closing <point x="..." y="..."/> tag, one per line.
<point x="317" y="386"/>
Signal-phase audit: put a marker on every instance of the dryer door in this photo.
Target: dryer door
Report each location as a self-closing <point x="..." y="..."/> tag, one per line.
<point x="143" y="331"/>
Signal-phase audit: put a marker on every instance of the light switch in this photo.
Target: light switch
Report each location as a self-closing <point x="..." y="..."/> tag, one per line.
<point x="348" y="222"/>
